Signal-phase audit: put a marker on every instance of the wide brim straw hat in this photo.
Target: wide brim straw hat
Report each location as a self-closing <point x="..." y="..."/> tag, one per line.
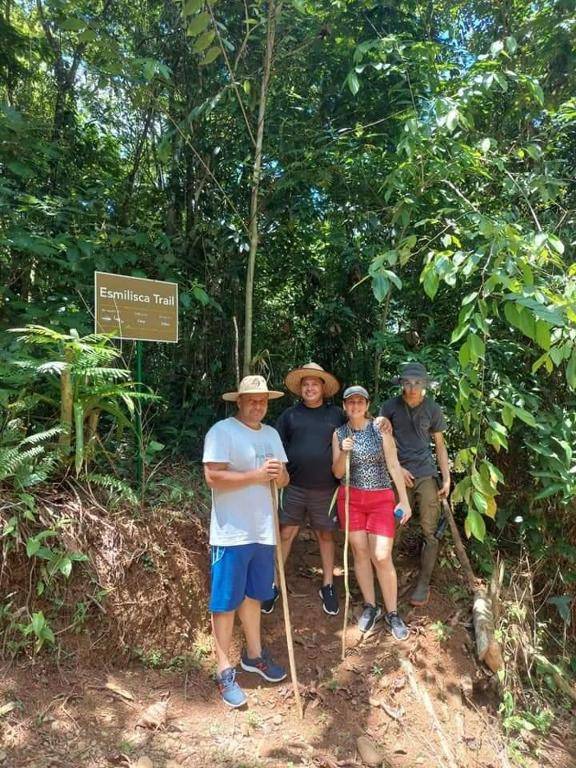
<point x="413" y="371"/>
<point x="252" y="385"/>
<point x="294" y="378"/>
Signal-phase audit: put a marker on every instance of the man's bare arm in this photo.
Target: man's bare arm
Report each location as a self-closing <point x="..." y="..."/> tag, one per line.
<point x="219" y="476"/>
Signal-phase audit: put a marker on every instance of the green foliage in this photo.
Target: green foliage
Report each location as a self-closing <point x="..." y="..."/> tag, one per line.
<point x="515" y="720"/>
<point x="416" y="203"/>
<point x="442" y="631"/>
<point x="89" y="388"/>
<point x="40" y="629"/>
<point x="554" y="459"/>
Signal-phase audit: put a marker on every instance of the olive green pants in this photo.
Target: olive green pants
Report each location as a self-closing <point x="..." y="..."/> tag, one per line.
<point x="424" y="496"/>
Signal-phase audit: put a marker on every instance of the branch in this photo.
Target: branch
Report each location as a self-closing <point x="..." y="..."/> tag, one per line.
<point x="461" y="195"/>
<point x="273" y="13"/>
<point x="525" y="196"/>
<point x="232" y="77"/>
<point x="249" y="31"/>
<point x="46" y="27"/>
<point x="204" y="165"/>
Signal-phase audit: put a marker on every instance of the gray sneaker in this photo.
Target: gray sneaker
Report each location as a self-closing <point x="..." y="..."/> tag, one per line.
<point x="396" y="625"/>
<point x="370" y="615"/>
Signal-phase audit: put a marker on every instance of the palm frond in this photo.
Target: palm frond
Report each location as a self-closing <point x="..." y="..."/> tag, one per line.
<point x="54" y="366"/>
<point x="114" y="486"/>
<point x="40" y="437"/>
<point x="106" y="374"/>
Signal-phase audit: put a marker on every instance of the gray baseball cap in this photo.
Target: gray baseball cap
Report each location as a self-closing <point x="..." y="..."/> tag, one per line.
<point x="355" y="390"/>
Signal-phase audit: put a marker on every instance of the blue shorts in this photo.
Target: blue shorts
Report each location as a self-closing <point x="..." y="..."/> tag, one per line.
<point x="246" y="570"/>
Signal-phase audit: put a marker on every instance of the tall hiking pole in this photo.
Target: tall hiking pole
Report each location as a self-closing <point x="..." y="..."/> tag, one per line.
<point x="346" y="541"/>
<point x="284" y="591"/>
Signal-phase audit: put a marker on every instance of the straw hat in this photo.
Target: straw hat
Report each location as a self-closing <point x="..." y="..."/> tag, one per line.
<point x="252" y="385"/>
<point x="294" y="378"/>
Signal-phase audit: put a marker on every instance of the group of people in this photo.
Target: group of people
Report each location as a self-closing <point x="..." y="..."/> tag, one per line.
<point x="378" y="468"/>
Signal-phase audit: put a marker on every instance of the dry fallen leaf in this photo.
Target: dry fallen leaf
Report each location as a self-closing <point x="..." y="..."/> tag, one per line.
<point x="399" y="682"/>
<point x="154" y="716"/>
<point x="368" y="751"/>
<point x="396" y="713"/>
<point x="143" y="762"/>
<point x="8" y="707"/>
<point x="112" y="685"/>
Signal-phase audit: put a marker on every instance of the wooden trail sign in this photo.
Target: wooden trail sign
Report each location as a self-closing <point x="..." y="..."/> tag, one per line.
<point x="136" y="308"/>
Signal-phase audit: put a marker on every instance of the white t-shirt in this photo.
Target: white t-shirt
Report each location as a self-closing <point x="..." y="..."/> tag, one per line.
<point x="243" y="515"/>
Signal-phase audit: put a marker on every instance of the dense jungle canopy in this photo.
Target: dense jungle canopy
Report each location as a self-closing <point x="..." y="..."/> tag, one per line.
<point x="355" y="182"/>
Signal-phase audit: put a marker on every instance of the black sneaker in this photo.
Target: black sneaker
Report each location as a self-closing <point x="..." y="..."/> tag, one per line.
<point x="370" y="615"/>
<point x="396" y="625"/>
<point x="329" y="600"/>
<point x="267" y="606"/>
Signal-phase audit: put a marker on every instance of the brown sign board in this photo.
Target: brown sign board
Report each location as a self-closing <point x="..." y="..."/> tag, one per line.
<point x="136" y="308"/>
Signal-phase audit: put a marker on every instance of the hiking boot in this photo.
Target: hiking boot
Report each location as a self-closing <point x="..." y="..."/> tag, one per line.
<point x="396" y="626"/>
<point x="267" y="606"/>
<point x="421" y="593"/>
<point x="329" y="600"/>
<point x="231" y="693"/>
<point x="265" y="666"/>
<point x="370" y="615"/>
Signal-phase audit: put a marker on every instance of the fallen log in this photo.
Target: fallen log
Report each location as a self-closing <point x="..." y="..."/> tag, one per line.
<point x="487" y="647"/>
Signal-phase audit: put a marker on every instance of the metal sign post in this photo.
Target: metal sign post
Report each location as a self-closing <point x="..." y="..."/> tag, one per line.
<point x="139" y="436"/>
<point x="138" y="309"/>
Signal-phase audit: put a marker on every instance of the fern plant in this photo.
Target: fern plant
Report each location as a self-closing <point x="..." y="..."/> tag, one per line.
<point x="83" y="381"/>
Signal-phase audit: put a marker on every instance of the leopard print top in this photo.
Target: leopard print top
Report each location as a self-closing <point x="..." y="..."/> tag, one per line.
<point x="368" y="468"/>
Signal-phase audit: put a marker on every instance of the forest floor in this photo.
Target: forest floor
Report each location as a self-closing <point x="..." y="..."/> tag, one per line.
<point x="425" y="702"/>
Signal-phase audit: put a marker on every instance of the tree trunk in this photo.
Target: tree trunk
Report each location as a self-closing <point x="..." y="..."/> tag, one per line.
<point x="487" y="647"/>
<point x="273" y="14"/>
<point x="66" y="405"/>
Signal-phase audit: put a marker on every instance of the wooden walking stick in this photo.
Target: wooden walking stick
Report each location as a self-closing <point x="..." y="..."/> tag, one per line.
<point x="284" y="591"/>
<point x="346" y="539"/>
<point x="487" y="647"/>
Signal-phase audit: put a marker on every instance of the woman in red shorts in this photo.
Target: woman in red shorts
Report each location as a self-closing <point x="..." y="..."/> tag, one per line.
<point x="374" y="468"/>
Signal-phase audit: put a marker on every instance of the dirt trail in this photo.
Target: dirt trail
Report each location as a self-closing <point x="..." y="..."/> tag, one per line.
<point x="424" y="702"/>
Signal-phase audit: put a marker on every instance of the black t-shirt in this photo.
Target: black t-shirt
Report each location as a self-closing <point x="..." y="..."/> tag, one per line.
<point x="307" y="437"/>
<point x="413" y="429"/>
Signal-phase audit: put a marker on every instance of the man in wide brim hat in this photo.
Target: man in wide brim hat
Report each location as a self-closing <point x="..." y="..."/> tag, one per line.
<point x="418" y="421"/>
<point x="294" y="378"/>
<point x="306" y="430"/>
<point x="241" y="457"/>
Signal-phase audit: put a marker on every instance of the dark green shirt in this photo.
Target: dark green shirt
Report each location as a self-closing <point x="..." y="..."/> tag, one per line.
<point x="413" y="429"/>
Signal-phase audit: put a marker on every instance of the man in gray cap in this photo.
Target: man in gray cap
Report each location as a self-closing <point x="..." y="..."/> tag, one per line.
<point x="417" y="421"/>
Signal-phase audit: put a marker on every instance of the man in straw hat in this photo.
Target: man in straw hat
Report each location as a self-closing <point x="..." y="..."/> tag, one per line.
<point x="417" y="421"/>
<point x="241" y="457"/>
<point x="306" y="430"/>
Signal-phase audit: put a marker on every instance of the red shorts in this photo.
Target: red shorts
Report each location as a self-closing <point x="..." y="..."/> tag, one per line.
<point x="370" y="511"/>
